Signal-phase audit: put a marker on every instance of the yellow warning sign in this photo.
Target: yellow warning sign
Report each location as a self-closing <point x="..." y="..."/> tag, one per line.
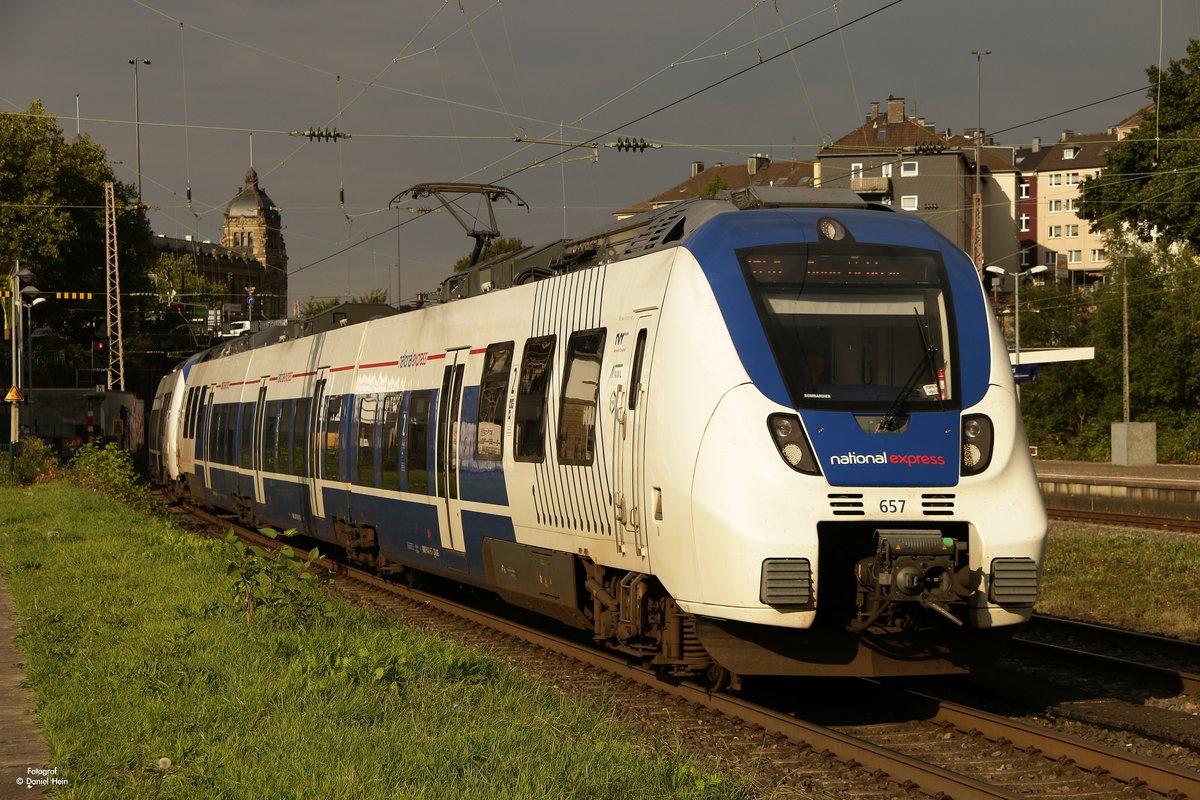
<point x="14" y="396"/>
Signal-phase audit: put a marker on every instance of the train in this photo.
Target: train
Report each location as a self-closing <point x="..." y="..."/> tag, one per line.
<point x="770" y="433"/>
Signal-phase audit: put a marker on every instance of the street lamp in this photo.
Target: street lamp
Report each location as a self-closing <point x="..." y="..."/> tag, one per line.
<point x="1017" y="276"/>
<point x="15" y="336"/>
<point x="137" y="123"/>
<point x="30" y="290"/>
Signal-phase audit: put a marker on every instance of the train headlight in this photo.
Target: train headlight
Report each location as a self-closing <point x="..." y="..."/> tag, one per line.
<point x="976" y="444"/>
<point x="792" y="443"/>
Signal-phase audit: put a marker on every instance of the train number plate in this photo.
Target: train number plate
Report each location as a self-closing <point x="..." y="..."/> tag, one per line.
<point x="891" y="506"/>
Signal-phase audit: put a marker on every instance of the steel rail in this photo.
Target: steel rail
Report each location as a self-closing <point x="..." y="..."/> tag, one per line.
<point x="1132" y="769"/>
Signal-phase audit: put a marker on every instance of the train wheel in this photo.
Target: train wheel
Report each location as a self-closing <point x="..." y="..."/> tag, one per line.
<point x="717" y="678"/>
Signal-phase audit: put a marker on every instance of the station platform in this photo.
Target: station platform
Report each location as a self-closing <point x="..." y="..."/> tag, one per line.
<point x="21" y="744"/>
<point x="1160" y="490"/>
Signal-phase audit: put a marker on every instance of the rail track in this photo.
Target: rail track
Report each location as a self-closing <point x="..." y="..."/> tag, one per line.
<point x="1183" y="524"/>
<point x="1142" y="657"/>
<point x="948" y="752"/>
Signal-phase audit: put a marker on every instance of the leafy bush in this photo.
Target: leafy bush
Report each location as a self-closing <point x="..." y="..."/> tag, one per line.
<point x="109" y="471"/>
<point x="282" y="585"/>
<point x="35" y="461"/>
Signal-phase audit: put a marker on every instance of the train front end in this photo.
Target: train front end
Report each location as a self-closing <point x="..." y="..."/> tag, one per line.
<point x="881" y="515"/>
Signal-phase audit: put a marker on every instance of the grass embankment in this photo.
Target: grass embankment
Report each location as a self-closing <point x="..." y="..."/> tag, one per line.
<point x="1141" y="580"/>
<point x="137" y="652"/>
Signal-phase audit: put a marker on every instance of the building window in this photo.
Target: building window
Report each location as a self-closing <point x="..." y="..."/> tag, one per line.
<point x="886" y="170"/>
<point x="1024" y="188"/>
<point x="1099" y="254"/>
<point x="1071" y="230"/>
<point x="1072" y="179"/>
<point x="1051" y="258"/>
<point x="909" y="202"/>
<point x="1055" y="206"/>
<point x="1055" y="231"/>
<point x="1025" y="257"/>
<point x="1074" y="256"/>
<point x="908" y="169"/>
<point x="1070" y="152"/>
<point x="1024" y="222"/>
<point x="856" y="170"/>
<point x="1069" y="204"/>
<point x="1055" y="179"/>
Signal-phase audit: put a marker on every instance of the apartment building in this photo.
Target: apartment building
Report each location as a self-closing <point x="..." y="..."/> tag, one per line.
<point x="903" y="161"/>
<point x="1052" y="232"/>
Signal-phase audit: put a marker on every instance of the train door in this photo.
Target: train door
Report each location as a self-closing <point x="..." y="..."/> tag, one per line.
<point x="207" y="434"/>
<point x="628" y="408"/>
<point x="447" y="451"/>
<point x="315" y="509"/>
<point x="256" y="453"/>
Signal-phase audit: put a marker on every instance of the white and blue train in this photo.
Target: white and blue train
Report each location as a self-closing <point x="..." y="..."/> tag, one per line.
<point x="774" y="434"/>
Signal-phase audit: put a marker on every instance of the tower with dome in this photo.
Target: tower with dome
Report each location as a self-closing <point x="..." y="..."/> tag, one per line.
<point x="253" y="229"/>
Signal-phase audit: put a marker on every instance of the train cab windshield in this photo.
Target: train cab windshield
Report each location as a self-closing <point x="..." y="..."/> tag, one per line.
<point x="854" y="326"/>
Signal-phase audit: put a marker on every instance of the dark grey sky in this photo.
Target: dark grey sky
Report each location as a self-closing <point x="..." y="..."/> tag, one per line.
<point x="434" y="90"/>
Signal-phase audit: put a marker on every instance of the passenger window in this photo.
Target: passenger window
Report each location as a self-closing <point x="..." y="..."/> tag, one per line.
<point x="493" y="391"/>
<point x="230" y="428"/>
<point x="389" y="444"/>
<point x="333" y="430"/>
<point x="272" y="433"/>
<point x="189" y="412"/>
<point x="300" y="437"/>
<point x="580" y="393"/>
<point x="368" y="405"/>
<point x="529" y="422"/>
<point x="416" y="441"/>
<point x="247" y="435"/>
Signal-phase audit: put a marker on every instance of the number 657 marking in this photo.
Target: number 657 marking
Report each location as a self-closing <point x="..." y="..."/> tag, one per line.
<point x="891" y="506"/>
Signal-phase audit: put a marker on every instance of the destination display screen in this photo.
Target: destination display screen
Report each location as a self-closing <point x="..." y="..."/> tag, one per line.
<point x="842" y="267"/>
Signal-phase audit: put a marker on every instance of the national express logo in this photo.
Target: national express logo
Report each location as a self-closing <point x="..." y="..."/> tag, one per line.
<point x="885" y="458"/>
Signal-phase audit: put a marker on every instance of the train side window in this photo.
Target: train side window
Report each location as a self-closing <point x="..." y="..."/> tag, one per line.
<point x="416" y="441"/>
<point x="247" y="435"/>
<point x="209" y="431"/>
<point x="368" y="408"/>
<point x="639" y="351"/>
<point x="189" y="413"/>
<point x="193" y="415"/>
<point x="279" y="413"/>
<point x="389" y="442"/>
<point x="271" y="436"/>
<point x="529" y="424"/>
<point x="580" y="394"/>
<point x="333" y="438"/>
<point x="493" y="391"/>
<point x="231" y="420"/>
<point x="300" y="437"/>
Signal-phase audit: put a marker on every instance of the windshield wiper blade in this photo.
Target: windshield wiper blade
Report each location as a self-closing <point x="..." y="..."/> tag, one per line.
<point x="891" y="419"/>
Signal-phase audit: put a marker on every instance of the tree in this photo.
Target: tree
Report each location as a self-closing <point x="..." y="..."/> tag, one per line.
<point x="714" y="186"/>
<point x="498" y="247"/>
<point x="319" y="305"/>
<point x="1150" y="183"/>
<point x="52" y="221"/>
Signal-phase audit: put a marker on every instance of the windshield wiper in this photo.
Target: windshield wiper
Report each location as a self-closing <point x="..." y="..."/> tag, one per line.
<point x="891" y="419"/>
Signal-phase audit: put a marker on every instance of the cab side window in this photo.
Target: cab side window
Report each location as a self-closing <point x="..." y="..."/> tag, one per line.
<point x="580" y="395"/>
<point x="529" y="426"/>
<point x="493" y="392"/>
